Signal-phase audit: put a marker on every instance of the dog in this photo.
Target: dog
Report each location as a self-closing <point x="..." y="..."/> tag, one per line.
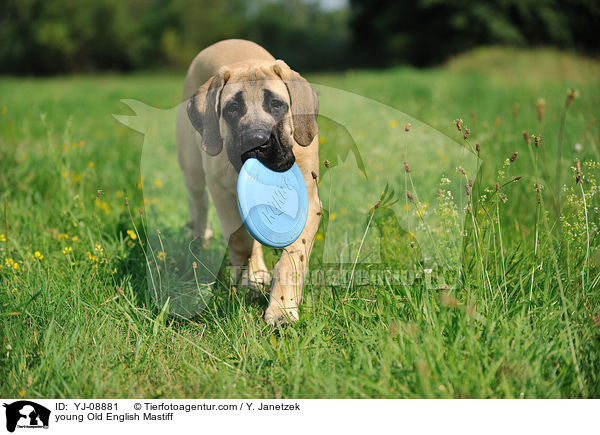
<point x="242" y="103"/>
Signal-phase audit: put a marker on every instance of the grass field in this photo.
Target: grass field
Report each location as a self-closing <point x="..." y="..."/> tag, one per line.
<point x="524" y="321"/>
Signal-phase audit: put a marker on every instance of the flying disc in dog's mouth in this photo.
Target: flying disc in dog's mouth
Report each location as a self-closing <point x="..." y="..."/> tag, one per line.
<point x="272" y="154"/>
<point x="273" y="205"/>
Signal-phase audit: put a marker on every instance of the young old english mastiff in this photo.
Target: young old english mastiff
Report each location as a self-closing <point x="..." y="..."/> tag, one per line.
<point x="243" y="103"/>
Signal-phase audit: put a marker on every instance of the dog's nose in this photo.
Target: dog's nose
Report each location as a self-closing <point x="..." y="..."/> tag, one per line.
<point x="253" y="139"/>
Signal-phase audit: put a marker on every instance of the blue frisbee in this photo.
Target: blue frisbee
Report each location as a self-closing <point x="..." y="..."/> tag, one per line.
<point x="273" y="205"/>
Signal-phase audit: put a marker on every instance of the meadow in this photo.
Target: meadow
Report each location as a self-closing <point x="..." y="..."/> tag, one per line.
<point x="77" y="320"/>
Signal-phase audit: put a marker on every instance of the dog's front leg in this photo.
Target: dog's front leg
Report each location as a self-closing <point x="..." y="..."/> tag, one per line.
<point x="290" y="270"/>
<point x="246" y="256"/>
<point x="245" y="253"/>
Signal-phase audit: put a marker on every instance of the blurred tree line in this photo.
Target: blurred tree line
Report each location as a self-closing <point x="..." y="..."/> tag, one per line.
<point x="58" y="36"/>
<point x="426" y="32"/>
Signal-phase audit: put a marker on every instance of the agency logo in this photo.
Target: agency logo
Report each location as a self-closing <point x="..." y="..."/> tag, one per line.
<point x="25" y="414"/>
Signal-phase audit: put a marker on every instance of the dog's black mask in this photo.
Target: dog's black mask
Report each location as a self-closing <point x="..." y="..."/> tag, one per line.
<point x="266" y="148"/>
<point x="260" y="139"/>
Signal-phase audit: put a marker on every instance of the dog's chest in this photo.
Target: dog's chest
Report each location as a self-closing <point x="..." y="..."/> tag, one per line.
<point x="219" y="171"/>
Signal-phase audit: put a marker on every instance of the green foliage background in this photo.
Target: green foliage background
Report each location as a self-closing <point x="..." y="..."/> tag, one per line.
<point x="426" y="32"/>
<point x="68" y="35"/>
<point x="41" y="37"/>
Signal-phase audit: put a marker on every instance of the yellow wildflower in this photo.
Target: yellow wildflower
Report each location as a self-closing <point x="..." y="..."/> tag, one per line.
<point x="91" y="256"/>
<point x="393" y="124"/>
<point x="162" y="255"/>
<point x="91" y="164"/>
<point x="319" y="237"/>
<point x="333" y="216"/>
<point x="158" y="182"/>
<point x="81" y="143"/>
<point x="16" y="266"/>
<point x="131" y="234"/>
<point x="66" y="250"/>
<point x="2" y="238"/>
<point x="322" y="140"/>
<point x="75" y="239"/>
<point x="63" y="236"/>
<point x="103" y="205"/>
<point x="38" y="255"/>
<point x="65" y="147"/>
<point x="22" y="392"/>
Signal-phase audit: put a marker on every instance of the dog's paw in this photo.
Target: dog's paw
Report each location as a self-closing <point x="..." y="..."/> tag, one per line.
<point x="257" y="280"/>
<point x="200" y="233"/>
<point x="280" y="316"/>
<point x="258" y="284"/>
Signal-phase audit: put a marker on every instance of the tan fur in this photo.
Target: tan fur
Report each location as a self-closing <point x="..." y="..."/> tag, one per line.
<point x="238" y="63"/>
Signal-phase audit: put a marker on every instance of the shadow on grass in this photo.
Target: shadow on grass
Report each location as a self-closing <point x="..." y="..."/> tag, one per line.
<point x="168" y="272"/>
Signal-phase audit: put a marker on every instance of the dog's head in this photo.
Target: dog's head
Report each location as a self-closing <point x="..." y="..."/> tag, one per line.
<point x="257" y="109"/>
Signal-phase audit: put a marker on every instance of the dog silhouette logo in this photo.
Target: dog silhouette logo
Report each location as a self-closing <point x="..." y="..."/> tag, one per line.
<point x="419" y="218"/>
<point x="26" y="414"/>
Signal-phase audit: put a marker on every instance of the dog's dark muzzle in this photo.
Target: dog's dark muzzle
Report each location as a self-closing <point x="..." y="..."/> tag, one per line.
<point x="267" y="148"/>
<point x="253" y="139"/>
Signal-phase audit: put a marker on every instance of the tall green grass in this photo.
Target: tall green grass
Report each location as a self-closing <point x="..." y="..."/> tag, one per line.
<point x="77" y="321"/>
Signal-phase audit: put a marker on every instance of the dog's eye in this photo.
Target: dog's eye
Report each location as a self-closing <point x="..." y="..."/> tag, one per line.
<point x="276" y="104"/>
<point x="232" y="107"/>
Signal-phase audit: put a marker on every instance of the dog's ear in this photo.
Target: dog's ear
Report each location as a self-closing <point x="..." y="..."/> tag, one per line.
<point x="304" y="103"/>
<point x="204" y="111"/>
